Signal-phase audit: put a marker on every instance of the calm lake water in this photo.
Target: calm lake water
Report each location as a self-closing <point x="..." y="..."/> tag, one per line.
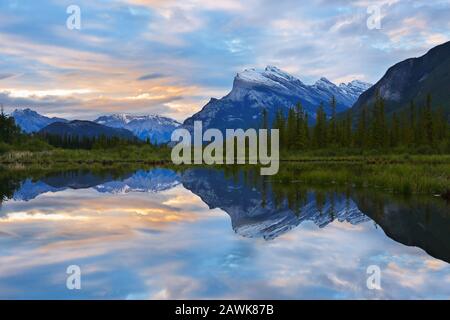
<point x="210" y="234"/>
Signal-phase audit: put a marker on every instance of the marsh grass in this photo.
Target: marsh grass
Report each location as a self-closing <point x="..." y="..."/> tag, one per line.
<point x="393" y="173"/>
<point x="422" y="176"/>
<point x="130" y="153"/>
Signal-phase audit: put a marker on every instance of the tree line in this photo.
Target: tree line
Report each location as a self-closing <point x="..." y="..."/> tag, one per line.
<point x="84" y="142"/>
<point x="370" y="128"/>
<point x="9" y="131"/>
<point x="12" y="135"/>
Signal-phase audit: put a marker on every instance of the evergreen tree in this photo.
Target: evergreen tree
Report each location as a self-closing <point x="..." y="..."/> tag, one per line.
<point x="411" y="137"/>
<point x="333" y="127"/>
<point x="280" y="124"/>
<point x="265" y="119"/>
<point x="361" y="130"/>
<point x="302" y="135"/>
<point x="428" y="121"/>
<point x="320" y="129"/>
<point x="291" y="129"/>
<point x="378" y="127"/>
<point x="9" y="131"/>
<point x="394" y="131"/>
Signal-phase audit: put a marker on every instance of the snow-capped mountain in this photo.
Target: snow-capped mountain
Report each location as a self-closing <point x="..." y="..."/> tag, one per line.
<point x="272" y="89"/>
<point x="256" y="216"/>
<point x="157" y="128"/>
<point x="151" y="181"/>
<point x="31" y="121"/>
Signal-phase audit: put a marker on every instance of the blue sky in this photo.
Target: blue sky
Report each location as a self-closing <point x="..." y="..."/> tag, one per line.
<point x="169" y="57"/>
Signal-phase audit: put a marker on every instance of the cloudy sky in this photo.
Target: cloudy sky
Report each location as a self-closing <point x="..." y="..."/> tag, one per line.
<point x="170" y="56"/>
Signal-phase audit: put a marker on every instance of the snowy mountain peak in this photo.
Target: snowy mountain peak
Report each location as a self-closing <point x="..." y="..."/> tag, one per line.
<point x="357" y="84"/>
<point x="26" y="111"/>
<point x="251" y="75"/>
<point x="271" y="89"/>
<point x="269" y="76"/>
<point x="31" y="121"/>
<point x="272" y="70"/>
<point x="325" y="84"/>
<point x="354" y="88"/>
<point x="156" y="128"/>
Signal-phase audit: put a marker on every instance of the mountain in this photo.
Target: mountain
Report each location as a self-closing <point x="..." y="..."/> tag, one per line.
<point x="87" y="129"/>
<point x="157" y="128"/>
<point x="151" y="181"/>
<point x="413" y="79"/>
<point x="31" y="121"/>
<point x="257" y="215"/>
<point x="272" y="88"/>
<point x="415" y="223"/>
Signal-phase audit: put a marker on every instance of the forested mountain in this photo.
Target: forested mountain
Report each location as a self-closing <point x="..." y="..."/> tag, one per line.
<point x="413" y="80"/>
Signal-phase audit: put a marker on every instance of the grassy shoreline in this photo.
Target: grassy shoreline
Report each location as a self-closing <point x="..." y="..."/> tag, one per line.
<point x="392" y="173"/>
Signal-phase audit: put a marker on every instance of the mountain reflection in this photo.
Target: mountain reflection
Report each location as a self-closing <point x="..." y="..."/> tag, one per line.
<point x="261" y="208"/>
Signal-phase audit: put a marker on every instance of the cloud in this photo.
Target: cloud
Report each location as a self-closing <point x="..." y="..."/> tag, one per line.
<point x="151" y="76"/>
<point x="6" y="75"/>
<point x="202" y="44"/>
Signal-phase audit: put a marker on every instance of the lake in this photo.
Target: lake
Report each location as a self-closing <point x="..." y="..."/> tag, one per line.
<point x="209" y="233"/>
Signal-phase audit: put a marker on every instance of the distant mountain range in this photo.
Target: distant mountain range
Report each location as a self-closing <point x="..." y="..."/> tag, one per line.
<point x="156" y="128"/>
<point x="252" y="91"/>
<point x="272" y="89"/>
<point x="254" y="215"/>
<point x="88" y="129"/>
<point x="414" y="79"/>
<point x="30" y="121"/>
<point x="152" y="181"/>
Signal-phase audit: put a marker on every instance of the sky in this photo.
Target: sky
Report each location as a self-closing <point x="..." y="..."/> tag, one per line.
<point x="169" y="57"/>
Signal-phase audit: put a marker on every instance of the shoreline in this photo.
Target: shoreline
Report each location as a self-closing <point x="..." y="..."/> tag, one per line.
<point x="393" y="173"/>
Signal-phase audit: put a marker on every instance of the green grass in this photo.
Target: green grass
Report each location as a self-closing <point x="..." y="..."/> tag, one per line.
<point x="142" y="154"/>
<point x="393" y="173"/>
<point x="426" y="175"/>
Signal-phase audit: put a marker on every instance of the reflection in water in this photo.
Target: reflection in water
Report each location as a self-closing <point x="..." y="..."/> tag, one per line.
<point x="162" y="234"/>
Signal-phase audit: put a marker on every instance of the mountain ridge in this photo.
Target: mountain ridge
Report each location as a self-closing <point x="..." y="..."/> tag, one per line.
<point x="412" y="80"/>
<point x="85" y="129"/>
<point x="154" y="127"/>
<point x="272" y="89"/>
<point x="31" y="121"/>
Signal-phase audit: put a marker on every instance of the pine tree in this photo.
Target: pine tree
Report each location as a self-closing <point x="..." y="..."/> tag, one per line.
<point x="428" y="121"/>
<point x="394" y="131"/>
<point x="361" y="130"/>
<point x="9" y="131"/>
<point x="320" y="129"/>
<point x="302" y="136"/>
<point x="348" y="129"/>
<point x="411" y="137"/>
<point x="265" y="119"/>
<point x="291" y="128"/>
<point x="378" y="126"/>
<point x="279" y="124"/>
<point x="333" y="130"/>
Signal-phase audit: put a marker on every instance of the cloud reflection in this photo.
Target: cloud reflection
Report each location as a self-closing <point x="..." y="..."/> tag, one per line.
<point x="170" y="245"/>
